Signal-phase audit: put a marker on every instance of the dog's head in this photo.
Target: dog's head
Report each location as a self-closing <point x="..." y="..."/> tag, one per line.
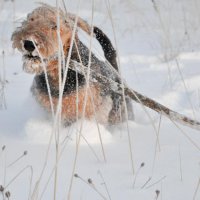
<point x="39" y="36"/>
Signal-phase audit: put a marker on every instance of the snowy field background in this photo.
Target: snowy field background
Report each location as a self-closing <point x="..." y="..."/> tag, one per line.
<point x="158" y="43"/>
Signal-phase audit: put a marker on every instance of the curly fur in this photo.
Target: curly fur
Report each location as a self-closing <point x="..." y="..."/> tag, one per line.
<point x="40" y="27"/>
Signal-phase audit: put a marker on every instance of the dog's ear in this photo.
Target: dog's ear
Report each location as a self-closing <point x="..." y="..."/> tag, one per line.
<point x="81" y="23"/>
<point x="106" y="44"/>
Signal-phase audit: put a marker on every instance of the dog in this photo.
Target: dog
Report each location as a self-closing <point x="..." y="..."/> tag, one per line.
<point x="38" y="40"/>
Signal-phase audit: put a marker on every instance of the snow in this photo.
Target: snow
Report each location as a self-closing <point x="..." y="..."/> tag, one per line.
<point x="149" y="44"/>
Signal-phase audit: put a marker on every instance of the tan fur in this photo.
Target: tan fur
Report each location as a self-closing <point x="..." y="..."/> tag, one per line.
<point x="69" y="105"/>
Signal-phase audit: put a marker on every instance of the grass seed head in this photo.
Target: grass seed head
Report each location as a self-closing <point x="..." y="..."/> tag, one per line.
<point x="76" y="175"/>
<point x="157" y="192"/>
<point x="89" y="180"/>
<point x="3" y="147"/>
<point x="142" y="164"/>
<point x="7" y="194"/>
<point x="1" y="188"/>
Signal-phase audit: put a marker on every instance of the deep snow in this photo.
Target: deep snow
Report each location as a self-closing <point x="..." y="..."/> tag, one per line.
<point x="150" y="42"/>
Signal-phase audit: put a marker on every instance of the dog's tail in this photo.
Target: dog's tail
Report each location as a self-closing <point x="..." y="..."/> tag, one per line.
<point x="109" y="51"/>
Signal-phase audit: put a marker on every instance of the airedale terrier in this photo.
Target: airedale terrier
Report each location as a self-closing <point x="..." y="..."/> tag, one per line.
<point x="40" y="37"/>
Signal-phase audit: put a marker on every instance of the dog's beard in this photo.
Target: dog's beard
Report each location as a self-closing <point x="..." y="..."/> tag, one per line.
<point x="32" y="63"/>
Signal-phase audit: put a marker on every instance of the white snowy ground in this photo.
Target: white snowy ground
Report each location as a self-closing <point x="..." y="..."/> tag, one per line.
<point x="151" y="41"/>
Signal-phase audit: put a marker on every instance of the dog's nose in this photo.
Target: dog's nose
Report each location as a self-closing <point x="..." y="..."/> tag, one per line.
<point x="29" y="46"/>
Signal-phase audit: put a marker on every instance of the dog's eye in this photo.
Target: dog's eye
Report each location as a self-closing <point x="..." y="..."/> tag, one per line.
<point x="32" y="19"/>
<point x="54" y="27"/>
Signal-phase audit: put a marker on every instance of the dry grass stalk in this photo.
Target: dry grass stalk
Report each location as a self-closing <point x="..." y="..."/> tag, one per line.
<point x="107" y="3"/>
<point x="104" y="183"/>
<point x="196" y="190"/>
<point x="3" y="83"/>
